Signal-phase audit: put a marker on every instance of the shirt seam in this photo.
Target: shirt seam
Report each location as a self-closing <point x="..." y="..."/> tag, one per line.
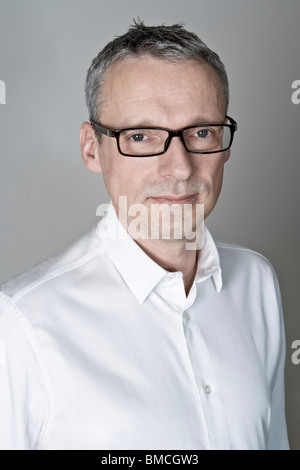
<point x="58" y="272"/>
<point x="241" y="248"/>
<point x="248" y="250"/>
<point x="35" y="348"/>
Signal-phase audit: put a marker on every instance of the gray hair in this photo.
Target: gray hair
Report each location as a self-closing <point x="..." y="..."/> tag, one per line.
<point x="170" y="43"/>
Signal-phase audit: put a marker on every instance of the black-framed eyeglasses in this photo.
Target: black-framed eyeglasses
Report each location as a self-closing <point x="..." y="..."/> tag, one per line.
<point x="153" y="141"/>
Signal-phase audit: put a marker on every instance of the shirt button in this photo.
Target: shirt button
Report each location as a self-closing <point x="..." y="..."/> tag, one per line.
<point x="186" y="316"/>
<point x="207" y="389"/>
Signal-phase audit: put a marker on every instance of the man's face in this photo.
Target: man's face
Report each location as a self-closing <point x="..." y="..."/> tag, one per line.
<point x="150" y="92"/>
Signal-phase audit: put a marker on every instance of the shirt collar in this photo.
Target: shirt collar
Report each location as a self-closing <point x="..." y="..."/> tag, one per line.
<point x="138" y="270"/>
<point x="209" y="262"/>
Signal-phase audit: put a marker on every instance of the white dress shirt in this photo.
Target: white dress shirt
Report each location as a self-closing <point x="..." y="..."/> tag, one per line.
<point x="101" y="349"/>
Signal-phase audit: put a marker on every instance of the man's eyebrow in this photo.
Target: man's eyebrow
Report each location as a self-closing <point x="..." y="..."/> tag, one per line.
<point x="138" y="123"/>
<point x="206" y="120"/>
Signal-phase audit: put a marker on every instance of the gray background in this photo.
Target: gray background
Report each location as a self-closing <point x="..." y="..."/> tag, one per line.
<point x="48" y="198"/>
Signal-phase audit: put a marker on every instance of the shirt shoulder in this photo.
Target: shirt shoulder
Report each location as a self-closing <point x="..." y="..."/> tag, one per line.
<point x="237" y="254"/>
<point x="250" y="285"/>
<point x="81" y="251"/>
<point x="246" y="269"/>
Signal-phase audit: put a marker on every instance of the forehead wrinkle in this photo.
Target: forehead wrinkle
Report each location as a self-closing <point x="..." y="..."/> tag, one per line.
<point x="153" y="96"/>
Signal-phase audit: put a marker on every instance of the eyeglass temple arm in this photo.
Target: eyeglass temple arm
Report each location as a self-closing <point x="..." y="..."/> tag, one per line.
<point x="103" y="130"/>
<point x="233" y="122"/>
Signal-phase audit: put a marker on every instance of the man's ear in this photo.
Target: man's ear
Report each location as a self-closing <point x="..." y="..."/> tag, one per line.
<point x="226" y="155"/>
<point x="89" y="146"/>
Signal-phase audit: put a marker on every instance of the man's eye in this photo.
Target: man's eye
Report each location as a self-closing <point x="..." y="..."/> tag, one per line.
<point x="138" y="137"/>
<point x="203" y="133"/>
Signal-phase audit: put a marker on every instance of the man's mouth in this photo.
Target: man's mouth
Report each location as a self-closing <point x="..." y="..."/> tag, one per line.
<point x="175" y="199"/>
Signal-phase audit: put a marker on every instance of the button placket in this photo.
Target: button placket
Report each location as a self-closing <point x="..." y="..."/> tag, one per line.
<point x="187" y="321"/>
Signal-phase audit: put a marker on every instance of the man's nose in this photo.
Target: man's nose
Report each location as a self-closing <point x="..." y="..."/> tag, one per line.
<point x="176" y="162"/>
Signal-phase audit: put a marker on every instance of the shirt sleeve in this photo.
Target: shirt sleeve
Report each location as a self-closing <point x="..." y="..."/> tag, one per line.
<point x="24" y="401"/>
<point x="278" y="437"/>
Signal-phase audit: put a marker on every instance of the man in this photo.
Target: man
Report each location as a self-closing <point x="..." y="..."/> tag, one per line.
<point x="134" y="338"/>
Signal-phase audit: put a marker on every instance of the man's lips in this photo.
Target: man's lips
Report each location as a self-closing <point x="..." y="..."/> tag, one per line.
<point x="172" y="199"/>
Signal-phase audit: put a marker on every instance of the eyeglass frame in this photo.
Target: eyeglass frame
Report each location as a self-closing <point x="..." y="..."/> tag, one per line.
<point x="116" y="134"/>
